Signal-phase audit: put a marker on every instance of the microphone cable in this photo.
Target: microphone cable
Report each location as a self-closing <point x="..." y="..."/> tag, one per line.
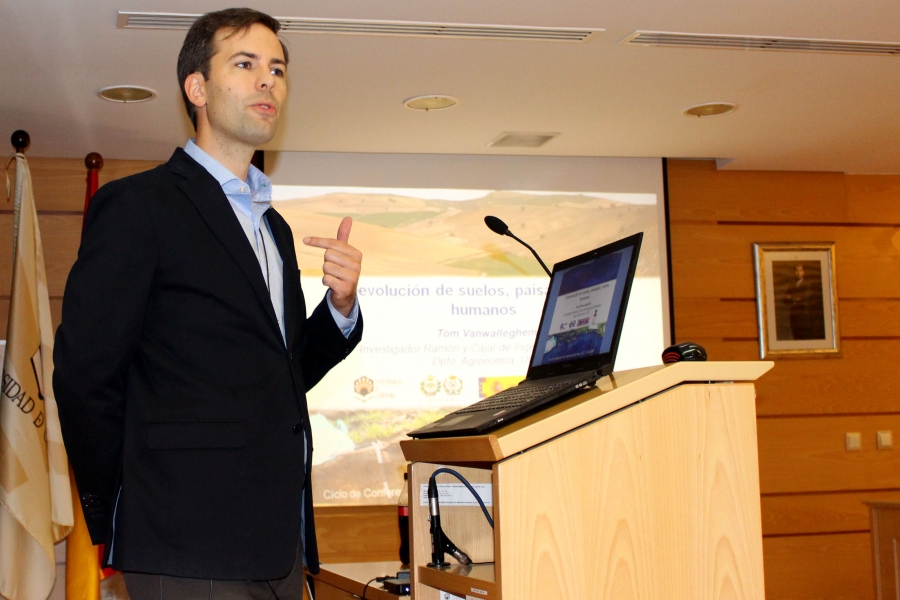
<point x="484" y="509"/>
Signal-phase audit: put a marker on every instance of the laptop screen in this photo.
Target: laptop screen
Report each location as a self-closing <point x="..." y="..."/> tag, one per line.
<point x="584" y="309"/>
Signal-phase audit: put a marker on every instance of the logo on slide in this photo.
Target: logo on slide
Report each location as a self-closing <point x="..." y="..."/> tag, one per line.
<point x="453" y="385"/>
<point x="363" y="386"/>
<point x="430" y="386"/>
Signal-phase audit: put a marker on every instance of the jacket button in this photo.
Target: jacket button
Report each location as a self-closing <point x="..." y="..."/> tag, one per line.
<point x="290" y="356"/>
<point x="298" y="427"/>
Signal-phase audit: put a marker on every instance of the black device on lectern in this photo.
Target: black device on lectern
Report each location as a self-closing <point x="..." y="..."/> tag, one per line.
<point x="576" y="344"/>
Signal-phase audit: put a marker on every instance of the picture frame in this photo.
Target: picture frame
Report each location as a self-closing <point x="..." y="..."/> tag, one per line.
<point x="796" y="300"/>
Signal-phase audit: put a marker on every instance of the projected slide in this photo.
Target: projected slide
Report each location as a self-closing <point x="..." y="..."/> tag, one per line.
<point x="452" y="309"/>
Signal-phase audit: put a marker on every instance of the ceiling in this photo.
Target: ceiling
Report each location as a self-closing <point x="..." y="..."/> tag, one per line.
<point x="796" y="110"/>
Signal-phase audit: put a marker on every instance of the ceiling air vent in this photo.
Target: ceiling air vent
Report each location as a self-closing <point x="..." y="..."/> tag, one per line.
<point x="521" y="140"/>
<point x="147" y="20"/>
<point x="752" y="42"/>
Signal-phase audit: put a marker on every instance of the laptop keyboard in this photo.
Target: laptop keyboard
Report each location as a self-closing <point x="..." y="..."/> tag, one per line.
<point x="513" y="397"/>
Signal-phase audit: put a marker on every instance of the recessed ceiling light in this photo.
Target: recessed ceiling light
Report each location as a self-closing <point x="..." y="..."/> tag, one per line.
<point x="711" y="109"/>
<point x="126" y="93"/>
<point x="431" y="102"/>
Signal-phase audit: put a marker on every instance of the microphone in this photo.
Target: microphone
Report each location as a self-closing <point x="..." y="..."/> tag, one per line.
<point x="437" y="534"/>
<point x="496" y="225"/>
<point x="440" y="543"/>
<point x="500" y="228"/>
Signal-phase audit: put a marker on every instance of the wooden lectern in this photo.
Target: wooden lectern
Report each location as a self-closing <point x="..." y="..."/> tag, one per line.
<point x="644" y="487"/>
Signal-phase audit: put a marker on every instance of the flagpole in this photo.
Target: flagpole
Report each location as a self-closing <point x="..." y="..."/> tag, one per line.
<point x="93" y="162"/>
<point x="20" y="141"/>
<point x="83" y="559"/>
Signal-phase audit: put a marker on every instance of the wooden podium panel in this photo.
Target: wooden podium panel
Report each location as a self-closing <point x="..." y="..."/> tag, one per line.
<point x="661" y="501"/>
<point x="646" y="487"/>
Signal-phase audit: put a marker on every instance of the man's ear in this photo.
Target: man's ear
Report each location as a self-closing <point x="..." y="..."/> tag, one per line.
<point x="195" y="88"/>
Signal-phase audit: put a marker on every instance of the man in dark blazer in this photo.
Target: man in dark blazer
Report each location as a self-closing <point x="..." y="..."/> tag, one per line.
<point x="184" y="353"/>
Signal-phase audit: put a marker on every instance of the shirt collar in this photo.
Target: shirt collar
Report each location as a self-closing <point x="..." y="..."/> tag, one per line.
<point x="252" y="197"/>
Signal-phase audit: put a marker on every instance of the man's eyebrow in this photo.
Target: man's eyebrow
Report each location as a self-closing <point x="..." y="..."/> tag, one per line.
<point x="274" y="61"/>
<point x="242" y="53"/>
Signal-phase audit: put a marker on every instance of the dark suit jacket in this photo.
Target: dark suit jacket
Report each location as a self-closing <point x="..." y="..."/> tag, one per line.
<point x="182" y="408"/>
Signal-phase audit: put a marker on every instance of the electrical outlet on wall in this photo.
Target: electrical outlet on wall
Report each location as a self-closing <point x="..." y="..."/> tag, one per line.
<point x="884" y="440"/>
<point x="853" y="441"/>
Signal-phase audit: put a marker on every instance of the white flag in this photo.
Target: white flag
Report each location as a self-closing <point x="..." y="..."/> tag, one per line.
<point x="35" y="497"/>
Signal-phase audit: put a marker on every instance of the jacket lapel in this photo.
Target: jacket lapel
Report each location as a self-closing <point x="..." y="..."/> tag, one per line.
<point x="210" y="201"/>
<point x="293" y="300"/>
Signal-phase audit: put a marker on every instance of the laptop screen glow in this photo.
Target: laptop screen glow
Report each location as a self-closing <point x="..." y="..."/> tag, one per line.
<point x="584" y="303"/>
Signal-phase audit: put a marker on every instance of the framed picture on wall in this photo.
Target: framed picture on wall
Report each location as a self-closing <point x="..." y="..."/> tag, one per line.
<point x="796" y="300"/>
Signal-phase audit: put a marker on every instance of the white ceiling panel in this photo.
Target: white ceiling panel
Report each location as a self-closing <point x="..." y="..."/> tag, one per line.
<point x="796" y="110"/>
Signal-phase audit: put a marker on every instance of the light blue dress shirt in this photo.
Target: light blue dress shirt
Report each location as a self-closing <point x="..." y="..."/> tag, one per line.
<point x="250" y="200"/>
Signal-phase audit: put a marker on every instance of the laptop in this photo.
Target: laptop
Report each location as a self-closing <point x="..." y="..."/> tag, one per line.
<point x="576" y="344"/>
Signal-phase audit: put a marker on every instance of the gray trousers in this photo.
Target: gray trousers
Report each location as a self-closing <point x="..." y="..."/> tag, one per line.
<point x="143" y="586"/>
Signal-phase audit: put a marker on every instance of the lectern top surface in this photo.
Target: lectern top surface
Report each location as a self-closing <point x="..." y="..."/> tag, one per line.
<point x="612" y="393"/>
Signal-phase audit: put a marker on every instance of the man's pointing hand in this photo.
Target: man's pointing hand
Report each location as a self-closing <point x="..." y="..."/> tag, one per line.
<point x="341" y="268"/>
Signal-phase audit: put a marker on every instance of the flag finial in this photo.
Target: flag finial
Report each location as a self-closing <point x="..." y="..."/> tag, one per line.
<point x="93" y="161"/>
<point x="20" y="140"/>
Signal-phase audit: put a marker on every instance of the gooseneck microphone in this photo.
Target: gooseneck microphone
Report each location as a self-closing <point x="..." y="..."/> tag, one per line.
<point x="500" y="228"/>
<point x="440" y="543"/>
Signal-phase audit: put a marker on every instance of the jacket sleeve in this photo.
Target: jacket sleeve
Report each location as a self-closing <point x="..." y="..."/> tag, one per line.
<point x="322" y="345"/>
<point x="103" y="308"/>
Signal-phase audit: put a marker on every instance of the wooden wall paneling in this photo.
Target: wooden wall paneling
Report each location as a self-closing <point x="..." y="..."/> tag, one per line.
<point x="716" y="261"/>
<point x="60" y="235"/>
<point x="870" y="317"/>
<point x="843" y="512"/>
<point x="59" y="183"/>
<point x="697" y="191"/>
<point x="4" y="316"/>
<point x="873" y="198"/>
<point x="823" y="567"/>
<point x="6" y="253"/>
<point x="808" y="454"/>
<point x="862" y="381"/>
<point x="855" y="383"/>
<point x="714" y="317"/>
<point x="817" y="543"/>
<point x="736" y="318"/>
<point x="357" y="533"/>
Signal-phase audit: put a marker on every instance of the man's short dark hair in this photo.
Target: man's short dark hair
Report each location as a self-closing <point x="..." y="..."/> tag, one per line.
<point x="200" y="43"/>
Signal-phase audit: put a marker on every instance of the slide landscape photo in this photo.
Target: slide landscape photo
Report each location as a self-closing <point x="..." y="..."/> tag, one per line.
<point x="451" y="308"/>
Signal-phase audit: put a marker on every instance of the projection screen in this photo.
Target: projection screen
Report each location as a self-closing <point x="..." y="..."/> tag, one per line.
<point x="451" y="309"/>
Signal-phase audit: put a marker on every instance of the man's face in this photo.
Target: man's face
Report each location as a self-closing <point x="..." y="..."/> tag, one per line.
<point x="247" y="86"/>
<point x="798" y="271"/>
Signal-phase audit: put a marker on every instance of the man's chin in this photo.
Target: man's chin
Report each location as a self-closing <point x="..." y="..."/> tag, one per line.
<point x="260" y="136"/>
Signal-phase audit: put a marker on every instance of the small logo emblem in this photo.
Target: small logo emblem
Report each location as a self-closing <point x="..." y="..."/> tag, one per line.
<point x="363" y="386"/>
<point x="453" y="385"/>
<point x="430" y="386"/>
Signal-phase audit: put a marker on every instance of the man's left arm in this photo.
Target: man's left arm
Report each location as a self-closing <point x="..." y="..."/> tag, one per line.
<point x="335" y="326"/>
